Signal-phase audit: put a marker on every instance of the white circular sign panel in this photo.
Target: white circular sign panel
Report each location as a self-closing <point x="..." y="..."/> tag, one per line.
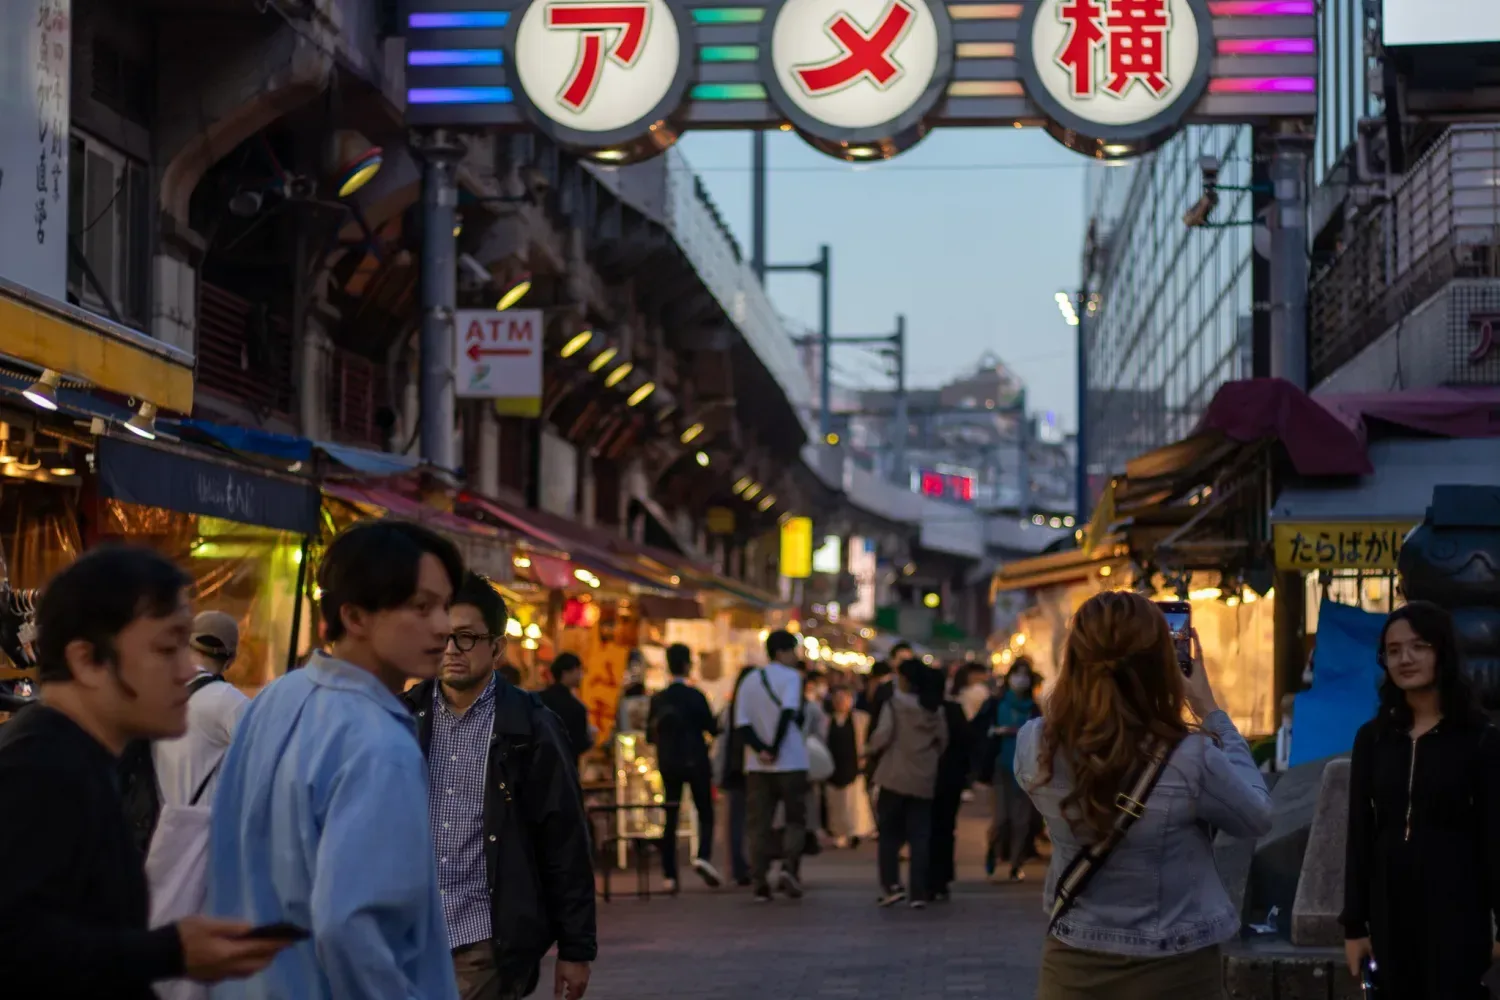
<point x="597" y="67"/>
<point x="855" y="64"/>
<point x="1116" y="62"/>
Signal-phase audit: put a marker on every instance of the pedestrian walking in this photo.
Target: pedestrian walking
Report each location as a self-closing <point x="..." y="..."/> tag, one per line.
<point x="114" y="667"/>
<point x="910" y="738"/>
<point x="561" y="696"/>
<point x="850" y="819"/>
<point x="680" y="724"/>
<point x="769" y="717"/>
<point x="321" y="816"/>
<point x="954" y="768"/>
<point x="1130" y="791"/>
<point x="514" y="862"/>
<point x="729" y="757"/>
<point x="1422" y="861"/>
<point x="1012" y="818"/>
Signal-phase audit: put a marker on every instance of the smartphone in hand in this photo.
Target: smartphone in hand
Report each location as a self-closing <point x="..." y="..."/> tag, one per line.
<point x="1179" y="615"/>
<point x="279" y="932"/>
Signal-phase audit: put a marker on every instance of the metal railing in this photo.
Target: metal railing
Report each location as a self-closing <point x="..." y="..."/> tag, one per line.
<point x="1441" y="222"/>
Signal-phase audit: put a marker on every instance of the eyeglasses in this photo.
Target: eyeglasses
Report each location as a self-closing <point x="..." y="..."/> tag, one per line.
<point x="466" y="641"/>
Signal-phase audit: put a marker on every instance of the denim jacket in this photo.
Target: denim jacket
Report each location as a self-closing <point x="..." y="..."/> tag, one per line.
<point x="1158" y="893"/>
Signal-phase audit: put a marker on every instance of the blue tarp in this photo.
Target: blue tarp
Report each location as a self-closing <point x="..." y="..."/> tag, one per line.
<point x="289" y="448"/>
<point x="1346" y="678"/>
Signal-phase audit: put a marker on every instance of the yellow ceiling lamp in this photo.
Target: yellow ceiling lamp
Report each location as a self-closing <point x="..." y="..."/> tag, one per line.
<point x="617" y="376"/>
<point x="359" y="162"/>
<point x="515" y="293"/>
<point x="640" y="394"/>
<point x="691" y="434"/>
<point x="603" y="358"/>
<point x="576" y="343"/>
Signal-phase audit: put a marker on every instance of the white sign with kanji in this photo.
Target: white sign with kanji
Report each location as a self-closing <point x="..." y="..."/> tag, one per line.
<point x="597" y="65"/>
<point x="1115" y="62"/>
<point x="499" y="353"/>
<point x="854" y="64"/>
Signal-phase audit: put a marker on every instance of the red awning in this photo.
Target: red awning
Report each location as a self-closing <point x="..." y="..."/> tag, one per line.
<point x="484" y="549"/>
<point x="1449" y="411"/>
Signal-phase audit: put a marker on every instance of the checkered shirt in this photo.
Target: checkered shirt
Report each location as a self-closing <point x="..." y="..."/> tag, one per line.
<point x="457" y="759"/>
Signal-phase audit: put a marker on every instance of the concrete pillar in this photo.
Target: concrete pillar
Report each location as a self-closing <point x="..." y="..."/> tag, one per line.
<point x="487" y="446"/>
<point x="314" y="369"/>
<point x="174" y="303"/>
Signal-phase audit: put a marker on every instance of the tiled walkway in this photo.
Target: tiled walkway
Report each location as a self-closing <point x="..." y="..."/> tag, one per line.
<point x="835" y="942"/>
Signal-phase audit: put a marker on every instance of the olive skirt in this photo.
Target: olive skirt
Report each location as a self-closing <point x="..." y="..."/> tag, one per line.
<point x="1074" y="974"/>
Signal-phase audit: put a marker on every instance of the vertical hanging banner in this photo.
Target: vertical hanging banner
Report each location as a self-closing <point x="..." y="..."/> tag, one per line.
<point x="500" y="358"/>
<point x="797" y="548"/>
<point x="35" y="56"/>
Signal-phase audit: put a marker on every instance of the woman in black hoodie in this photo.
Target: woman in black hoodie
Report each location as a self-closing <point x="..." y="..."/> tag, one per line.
<point x="954" y="767"/>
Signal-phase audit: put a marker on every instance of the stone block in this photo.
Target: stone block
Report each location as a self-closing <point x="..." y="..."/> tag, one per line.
<point x="1302" y="981"/>
<point x="1249" y="979"/>
<point x="1320" y="889"/>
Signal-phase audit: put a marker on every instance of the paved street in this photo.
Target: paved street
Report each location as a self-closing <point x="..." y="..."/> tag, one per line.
<point x="835" y="942"/>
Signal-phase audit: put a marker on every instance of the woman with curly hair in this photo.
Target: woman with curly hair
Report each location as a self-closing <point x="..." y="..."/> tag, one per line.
<point x="1422" y="862"/>
<point x="1147" y="920"/>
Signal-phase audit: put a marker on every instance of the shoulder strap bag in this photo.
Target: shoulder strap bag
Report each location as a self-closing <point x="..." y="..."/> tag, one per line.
<point x="1130" y="805"/>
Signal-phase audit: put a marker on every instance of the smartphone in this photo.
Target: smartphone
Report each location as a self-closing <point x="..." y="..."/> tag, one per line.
<point x="279" y="932"/>
<point x="1179" y="615"/>
<point x="1369" y="980"/>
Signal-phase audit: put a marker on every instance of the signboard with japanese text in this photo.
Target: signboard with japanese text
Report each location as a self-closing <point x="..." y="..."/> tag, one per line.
<point x="500" y="357"/>
<point x="1374" y="547"/>
<point x="35" y="57"/>
<point x="858" y="79"/>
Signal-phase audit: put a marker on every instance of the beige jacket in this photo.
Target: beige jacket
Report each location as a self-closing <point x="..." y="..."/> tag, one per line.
<point x="909" y="740"/>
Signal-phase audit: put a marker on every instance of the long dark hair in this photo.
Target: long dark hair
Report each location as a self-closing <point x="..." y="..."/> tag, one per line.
<point x="1455" y="691"/>
<point x="924" y="682"/>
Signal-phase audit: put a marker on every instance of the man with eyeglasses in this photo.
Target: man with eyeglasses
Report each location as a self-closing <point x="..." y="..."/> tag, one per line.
<point x="515" y="867"/>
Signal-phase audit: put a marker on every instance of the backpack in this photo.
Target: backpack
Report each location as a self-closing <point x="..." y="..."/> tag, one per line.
<point x="139" y="792"/>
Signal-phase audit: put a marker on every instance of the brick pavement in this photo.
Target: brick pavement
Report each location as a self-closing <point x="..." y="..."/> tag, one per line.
<point x="834" y="943"/>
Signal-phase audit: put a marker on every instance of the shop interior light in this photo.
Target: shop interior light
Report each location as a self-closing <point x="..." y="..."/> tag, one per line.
<point x="617" y="376"/>
<point x="831" y="439"/>
<point x="522" y="562"/>
<point x="533" y="631"/>
<point x="360" y="171"/>
<point x="582" y="575"/>
<point x="701" y="458"/>
<point x="513" y="629"/>
<point x="7" y="453"/>
<point x="931" y="599"/>
<point x="603" y="358"/>
<point x="576" y="343"/>
<point x="594" y="582"/>
<point x="43" y="392"/>
<point x="515" y="293"/>
<point x="28" y="462"/>
<point x="691" y="434"/>
<point x="767" y="502"/>
<point x="1205" y="594"/>
<point x="1105" y="571"/>
<point x="640" y="394"/>
<point x="62" y="466"/>
<point x="143" y="424"/>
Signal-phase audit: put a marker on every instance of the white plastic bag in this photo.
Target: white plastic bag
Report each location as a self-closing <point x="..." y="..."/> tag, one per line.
<point x="177" y="875"/>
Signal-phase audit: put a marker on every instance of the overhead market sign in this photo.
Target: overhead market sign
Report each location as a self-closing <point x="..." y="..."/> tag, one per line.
<point x="499" y="357"/>
<point x="619" y="80"/>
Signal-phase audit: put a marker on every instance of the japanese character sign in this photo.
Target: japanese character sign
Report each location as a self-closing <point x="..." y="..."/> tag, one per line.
<point x="600" y="67"/>
<point x="1362" y="546"/>
<point x="1115" y="68"/>
<point x="843" y="67"/>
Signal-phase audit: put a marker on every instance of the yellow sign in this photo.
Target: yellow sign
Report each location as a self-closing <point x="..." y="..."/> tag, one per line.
<point x="720" y="521"/>
<point x="797" y="548"/>
<point x="1374" y="546"/>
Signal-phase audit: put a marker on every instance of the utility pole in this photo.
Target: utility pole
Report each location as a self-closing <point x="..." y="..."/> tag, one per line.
<point x="823" y="268"/>
<point x="1080" y="440"/>
<point x="1288" y="171"/>
<point x="758" y="204"/>
<point x="903" y="421"/>
<point x="1023" y="464"/>
<point x="440" y="150"/>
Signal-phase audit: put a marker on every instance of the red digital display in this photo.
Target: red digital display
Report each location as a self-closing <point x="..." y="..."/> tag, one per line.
<point x="946" y="485"/>
<point x="932" y="484"/>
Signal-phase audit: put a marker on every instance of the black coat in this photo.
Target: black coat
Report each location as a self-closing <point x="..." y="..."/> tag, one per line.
<point x="680" y="724"/>
<point x="1422" y="868"/>
<point x="574" y="715"/>
<point x="537" y="850"/>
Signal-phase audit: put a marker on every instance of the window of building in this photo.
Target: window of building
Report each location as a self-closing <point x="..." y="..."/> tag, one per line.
<point x="108" y="219"/>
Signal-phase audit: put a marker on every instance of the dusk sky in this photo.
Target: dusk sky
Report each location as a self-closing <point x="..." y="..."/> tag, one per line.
<point x="970" y="234"/>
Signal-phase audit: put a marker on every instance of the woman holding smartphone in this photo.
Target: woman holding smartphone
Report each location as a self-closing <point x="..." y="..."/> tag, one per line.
<point x="1422" y="863"/>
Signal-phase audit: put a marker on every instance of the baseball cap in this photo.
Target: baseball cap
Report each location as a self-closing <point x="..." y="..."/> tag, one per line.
<point x="216" y="634"/>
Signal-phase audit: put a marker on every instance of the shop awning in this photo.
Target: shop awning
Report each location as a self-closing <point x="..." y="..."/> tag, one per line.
<point x="1069" y="566"/>
<point x="485" y="550"/>
<point x="175" y="478"/>
<point x="290" y="448"/>
<point x="1399" y="488"/>
<point x="50" y="334"/>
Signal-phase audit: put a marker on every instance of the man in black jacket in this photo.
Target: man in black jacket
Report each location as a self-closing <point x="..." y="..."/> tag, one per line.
<point x="562" y="697"/>
<point x="680" y="725"/>
<point x="515" y="865"/>
<point x="112" y="657"/>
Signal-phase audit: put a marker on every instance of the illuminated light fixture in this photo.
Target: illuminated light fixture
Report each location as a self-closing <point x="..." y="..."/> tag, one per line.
<point x="831" y="439"/>
<point x="617" y="376"/>
<point x="701" y="458"/>
<point x="691" y="434"/>
<point x="931" y="599"/>
<point x="609" y="155"/>
<point x="640" y="394"/>
<point x="582" y="575"/>
<point x="522" y="562"/>
<point x="533" y="631"/>
<point x="63" y="467"/>
<point x="594" y="582"/>
<point x="576" y="344"/>
<point x="742" y="485"/>
<point x="767" y="502"/>
<point x="513" y="628"/>
<point x="1105" y="571"/>
<point x="143" y="424"/>
<point x="1055" y="522"/>
<point x="43" y="392"/>
<point x="360" y="171"/>
<point x="1068" y="522"/>
<point x="529" y="644"/>
<point x="752" y="491"/>
<point x="1205" y="594"/>
<point x="603" y="358"/>
<point x="28" y="462"/>
<point x="1065" y="306"/>
<point x="515" y="293"/>
<point x="458" y="226"/>
<point x="7" y="455"/>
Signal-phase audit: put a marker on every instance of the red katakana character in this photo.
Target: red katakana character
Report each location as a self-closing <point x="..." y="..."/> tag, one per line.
<point x="1137" y="45"/>
<point x="1084" y="36"/>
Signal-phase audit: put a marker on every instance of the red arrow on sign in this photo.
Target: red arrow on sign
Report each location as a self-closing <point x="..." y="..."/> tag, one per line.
<point x="475" y="352"/>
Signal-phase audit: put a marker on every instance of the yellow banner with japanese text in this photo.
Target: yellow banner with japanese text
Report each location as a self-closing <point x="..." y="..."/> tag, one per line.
<point x="1373" y="546"/>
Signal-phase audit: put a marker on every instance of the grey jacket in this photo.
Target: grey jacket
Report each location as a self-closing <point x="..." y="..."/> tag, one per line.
<point x="909" y="740"/>
<point x="1158" y="893"/>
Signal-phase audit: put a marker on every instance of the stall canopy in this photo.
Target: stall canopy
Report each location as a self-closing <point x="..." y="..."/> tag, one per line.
<point x="1400" y="487"/>
<point x="291" y="449"/>
<point x="177" y="478"/>
<point x="485" y="550"/>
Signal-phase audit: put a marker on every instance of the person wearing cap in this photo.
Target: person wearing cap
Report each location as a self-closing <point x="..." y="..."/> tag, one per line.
<point x="186" y="766"/>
